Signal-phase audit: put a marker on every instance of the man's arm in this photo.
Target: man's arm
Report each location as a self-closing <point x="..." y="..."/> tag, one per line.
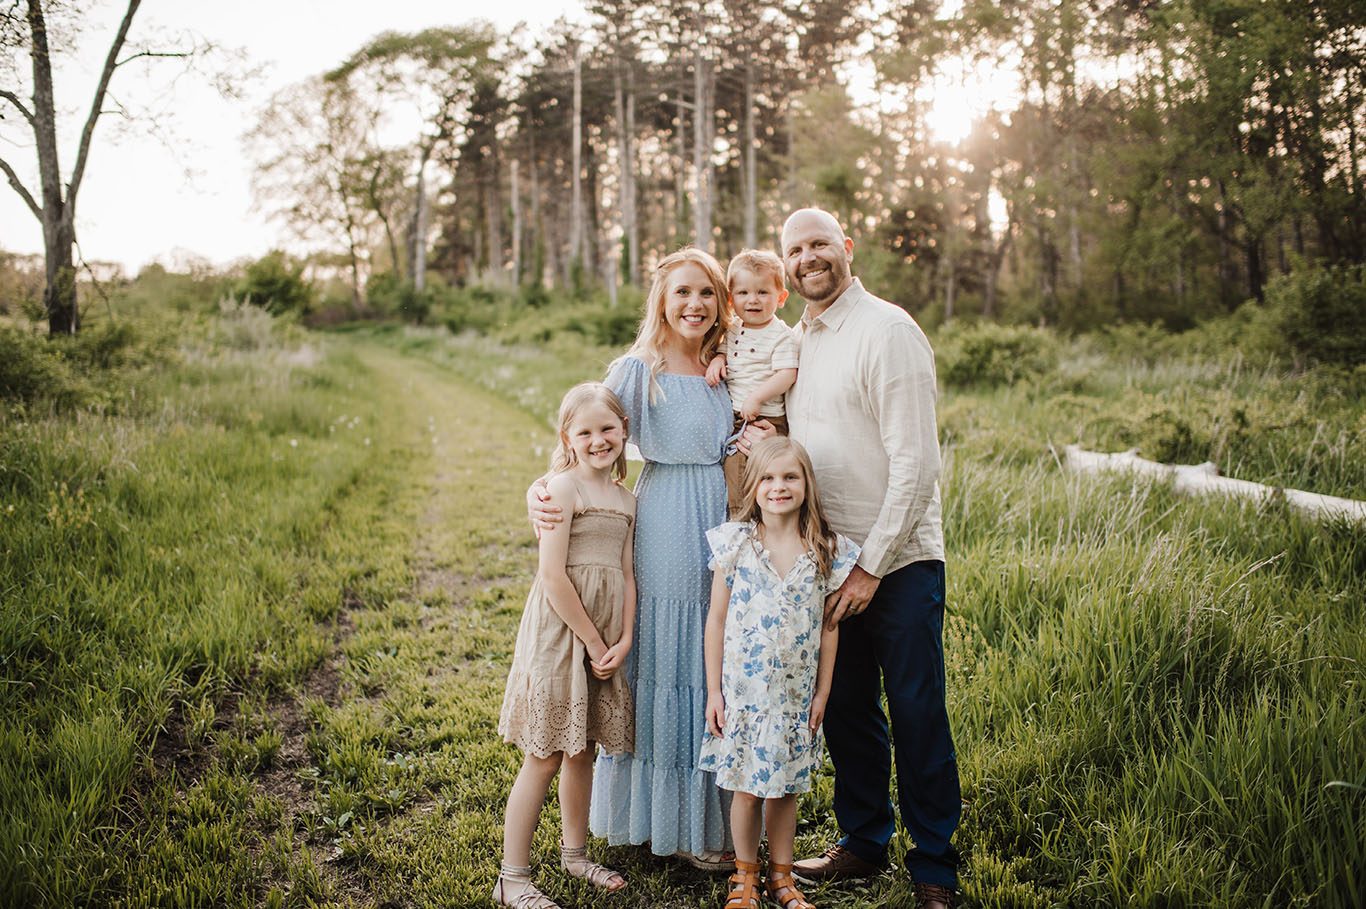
<point x="902" y="397"/>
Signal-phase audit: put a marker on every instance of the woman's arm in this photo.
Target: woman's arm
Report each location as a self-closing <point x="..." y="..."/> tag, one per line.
<point x="825" y="674"/>
<point x="713" y="645"/>
<point x="543" y="513"/>
<point x="564" y="599"/>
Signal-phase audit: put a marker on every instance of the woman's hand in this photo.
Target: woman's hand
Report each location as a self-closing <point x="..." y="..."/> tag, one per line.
<point x="817" y="711"/>
<point x="716" y="714"/>
<point x="613" y="659"/>
<point x="543" y="514"/>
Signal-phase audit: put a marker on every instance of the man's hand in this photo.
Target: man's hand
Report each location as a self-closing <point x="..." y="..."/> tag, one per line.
<point x="539" y="510"/>
<point x="755" y="433"/>
<point x="852" y="598"/>
<point x="716" y="370"/>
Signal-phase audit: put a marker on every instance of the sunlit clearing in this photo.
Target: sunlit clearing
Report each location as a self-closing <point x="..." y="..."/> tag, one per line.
<point x="962" y="92"/>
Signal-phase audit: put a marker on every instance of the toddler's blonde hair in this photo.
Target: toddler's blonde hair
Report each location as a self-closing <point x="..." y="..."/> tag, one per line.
<point x="759" y="262"/>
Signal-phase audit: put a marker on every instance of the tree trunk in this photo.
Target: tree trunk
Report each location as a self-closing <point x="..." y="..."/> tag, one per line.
<point x="701" y="156"/>
<point x="418" y="270"/>
<point x="751" y="177"/>
<point x="626" y="172"/>
<point x="59" y="295"/>
<point x="493" y="219"/>
<point x="632" y="216"/>
<point x="576" y="196"/>
<point x="516" y="226"/>
<point x="57" y="214"/>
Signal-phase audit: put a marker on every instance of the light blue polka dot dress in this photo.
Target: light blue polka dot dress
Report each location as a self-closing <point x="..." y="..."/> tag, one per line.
<point x="658" y="795"/>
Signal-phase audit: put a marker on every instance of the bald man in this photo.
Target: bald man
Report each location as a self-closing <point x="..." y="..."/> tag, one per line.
<point x="863" y="406"/>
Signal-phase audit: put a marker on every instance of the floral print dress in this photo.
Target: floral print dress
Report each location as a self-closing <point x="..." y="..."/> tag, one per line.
<point x="768" y="666"/>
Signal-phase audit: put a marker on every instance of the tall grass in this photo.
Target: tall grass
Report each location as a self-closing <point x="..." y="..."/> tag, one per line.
<point x="159" y="556"/>
<point x="1157" y="701"/>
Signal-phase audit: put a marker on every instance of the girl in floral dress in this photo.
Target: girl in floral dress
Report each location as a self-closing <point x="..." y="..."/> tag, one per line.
<point x="770" y="659"/>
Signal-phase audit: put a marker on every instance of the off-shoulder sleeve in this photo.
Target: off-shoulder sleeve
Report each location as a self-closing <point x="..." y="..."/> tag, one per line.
<point x="629" y="378"/>
<point x="846" y="556"/>
<point x="725" y="542"/>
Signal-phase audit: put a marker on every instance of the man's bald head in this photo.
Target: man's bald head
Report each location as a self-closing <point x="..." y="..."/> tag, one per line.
<point x="816" y="256"/>
<point x="806" y="218"/>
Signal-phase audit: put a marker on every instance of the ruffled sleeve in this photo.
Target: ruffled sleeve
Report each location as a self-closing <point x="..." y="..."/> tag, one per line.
<point x="629" y="378"/>
<point x="846" y="556"/>
<point x="726" y="542"/>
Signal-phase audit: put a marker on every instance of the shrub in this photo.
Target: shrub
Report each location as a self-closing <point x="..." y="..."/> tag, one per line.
<point x="1321" y="313"/>
<point x="389" y="294"/>
<point x="242" y="326"/>
<point x="33" y="369"/>
<point x="276" y="283"/>
<point x="987" y="354"/>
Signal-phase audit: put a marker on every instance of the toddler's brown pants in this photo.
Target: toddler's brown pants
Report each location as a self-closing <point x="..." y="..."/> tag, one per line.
<point x="734" y="466"/>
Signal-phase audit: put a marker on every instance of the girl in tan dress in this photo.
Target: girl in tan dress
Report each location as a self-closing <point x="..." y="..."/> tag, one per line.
<point x="565" y="694"/>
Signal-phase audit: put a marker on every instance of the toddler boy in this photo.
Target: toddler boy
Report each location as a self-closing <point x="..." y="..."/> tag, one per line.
<point x="758" y="358"/>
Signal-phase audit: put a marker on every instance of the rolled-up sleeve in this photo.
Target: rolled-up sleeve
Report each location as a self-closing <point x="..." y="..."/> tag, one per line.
<point x="901" y="394"/>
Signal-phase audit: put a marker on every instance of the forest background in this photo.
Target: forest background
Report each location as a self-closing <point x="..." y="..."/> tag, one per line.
<point x="253" y="633"/>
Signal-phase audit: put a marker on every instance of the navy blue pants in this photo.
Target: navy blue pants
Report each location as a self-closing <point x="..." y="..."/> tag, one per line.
<point x="896" y="642"/>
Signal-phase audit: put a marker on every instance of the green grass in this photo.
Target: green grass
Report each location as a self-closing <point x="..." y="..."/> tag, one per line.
<point x="241" y="671"/>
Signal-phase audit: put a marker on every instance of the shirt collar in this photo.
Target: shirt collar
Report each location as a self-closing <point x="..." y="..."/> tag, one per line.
<point x="837" y="312"/>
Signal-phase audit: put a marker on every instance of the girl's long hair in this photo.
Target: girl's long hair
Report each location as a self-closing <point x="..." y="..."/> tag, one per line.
<point x="814" y="530"/>
<point x="650" y="339"/>
<point x="575" y="399"/>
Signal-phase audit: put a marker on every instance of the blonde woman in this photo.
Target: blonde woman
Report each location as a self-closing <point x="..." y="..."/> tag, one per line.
<point x="658" y="795"/>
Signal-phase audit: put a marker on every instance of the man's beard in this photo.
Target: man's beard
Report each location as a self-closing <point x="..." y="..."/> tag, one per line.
<point x="824" y="287"/>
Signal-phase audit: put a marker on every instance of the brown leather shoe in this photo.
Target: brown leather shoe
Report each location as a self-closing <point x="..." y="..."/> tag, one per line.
<point x="933" y="896"/>
<point x="834" y="864"/>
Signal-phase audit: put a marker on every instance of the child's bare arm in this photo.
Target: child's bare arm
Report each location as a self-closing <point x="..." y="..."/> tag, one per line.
<point x="716" y="369"/>
<point x="774" y="385"/>
<point x="825" y="674"/>
<point x="564" y="599"/>
<point x="615" y="656"/>
<point x="713" y="645"/>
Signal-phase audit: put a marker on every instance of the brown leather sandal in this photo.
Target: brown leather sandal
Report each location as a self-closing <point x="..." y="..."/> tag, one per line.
<point x="744" y="886"/>
<point x="783" y="890"/>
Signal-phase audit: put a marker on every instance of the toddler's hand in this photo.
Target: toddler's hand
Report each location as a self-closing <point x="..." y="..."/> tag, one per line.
<point x="817" y="712"/>
<point x="716" y="714"/>
<point x="716" y="371"/>
<point x="750" y="409"/>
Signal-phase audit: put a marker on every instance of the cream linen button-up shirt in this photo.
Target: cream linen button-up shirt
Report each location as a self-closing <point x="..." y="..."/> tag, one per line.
<point x="863" y="406"/>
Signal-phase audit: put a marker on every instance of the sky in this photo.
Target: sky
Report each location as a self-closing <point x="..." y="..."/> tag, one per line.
<point x="184" y="190"/>
<point x="181" y="191"/>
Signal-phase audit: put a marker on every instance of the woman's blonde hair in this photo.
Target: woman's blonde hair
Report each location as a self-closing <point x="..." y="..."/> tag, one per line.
<point x="575" y="399"/>
<point x="814" y="530"/>
<point x="649" y="343"/>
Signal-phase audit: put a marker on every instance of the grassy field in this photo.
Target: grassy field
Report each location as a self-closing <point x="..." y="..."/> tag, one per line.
<point x="258" y="616"/>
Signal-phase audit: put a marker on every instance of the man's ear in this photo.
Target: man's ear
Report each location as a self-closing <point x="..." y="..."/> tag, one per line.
<point x="849" y="248"/>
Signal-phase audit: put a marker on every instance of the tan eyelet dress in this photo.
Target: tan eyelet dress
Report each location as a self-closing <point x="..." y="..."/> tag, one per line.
<point x="553" y="702"/>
